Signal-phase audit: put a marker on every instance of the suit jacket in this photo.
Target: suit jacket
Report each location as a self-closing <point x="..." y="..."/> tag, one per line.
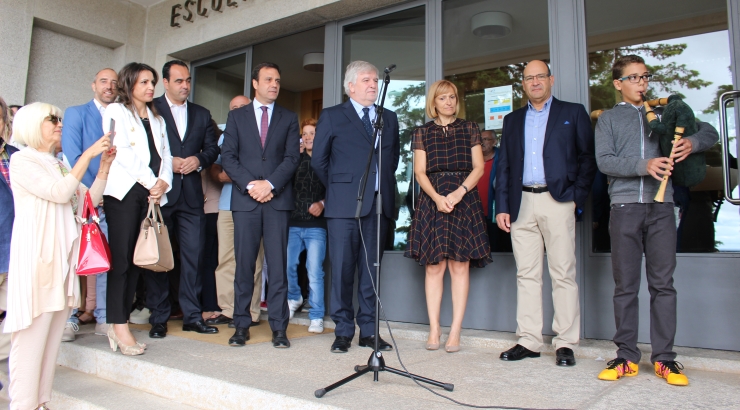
<point x="7" y="214"/>
<point x="568" y="157"/>
<point x="199" y="141"/>
<point x="131" y="165"/>
<point x="340" y="151"/>
<point x="83" y="126"/>
<point x="244" y="159"/>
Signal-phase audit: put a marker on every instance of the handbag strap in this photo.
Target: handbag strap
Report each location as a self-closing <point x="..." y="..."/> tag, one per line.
<point x="88" y="210"/>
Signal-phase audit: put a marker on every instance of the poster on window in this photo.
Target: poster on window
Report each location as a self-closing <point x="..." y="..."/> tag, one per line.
<point x="497" y="105"/>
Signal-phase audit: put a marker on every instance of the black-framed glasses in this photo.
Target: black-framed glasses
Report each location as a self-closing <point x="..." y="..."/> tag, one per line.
<point x="634" y="78"/>
<point x="55" y="119"/>
<point x="539" y="77"/>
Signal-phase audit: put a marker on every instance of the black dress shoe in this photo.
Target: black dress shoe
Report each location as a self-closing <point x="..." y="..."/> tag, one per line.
<point x="565" y="357"/>
<point x="240" y="337"/>
<point x="199" y="327"/>
<point x="341" y="344"/>
<point x="518" y="352"/>
<point x="220" y="320"/>
<point x="280" y="339"/>
<point x="369" y="341"/>
<point x="254" y="323"/>
<point x="158" y="330"/>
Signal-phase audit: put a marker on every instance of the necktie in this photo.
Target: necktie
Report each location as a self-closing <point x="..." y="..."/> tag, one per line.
<point x="263" y="126"/>
<point x="366" y="121"/>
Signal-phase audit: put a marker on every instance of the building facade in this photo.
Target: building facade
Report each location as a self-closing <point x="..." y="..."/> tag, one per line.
<point x="52" y="49"/>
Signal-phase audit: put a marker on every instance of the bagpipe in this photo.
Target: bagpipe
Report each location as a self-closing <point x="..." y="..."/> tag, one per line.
<point x="674" y="121"/>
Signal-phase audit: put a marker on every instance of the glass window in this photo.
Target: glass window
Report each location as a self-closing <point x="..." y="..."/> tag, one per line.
<point x="217" y="83"/>
<point x="487" y="44"/>
<point x="396" y="38"/>
<point x="686" y="48"/>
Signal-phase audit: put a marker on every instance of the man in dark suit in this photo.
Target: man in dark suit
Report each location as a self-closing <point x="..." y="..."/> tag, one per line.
<point x="260" y="155"/>
<point x="341" y="146"/>
<point x="193" y="145"/>
<point x="543" y="178"/>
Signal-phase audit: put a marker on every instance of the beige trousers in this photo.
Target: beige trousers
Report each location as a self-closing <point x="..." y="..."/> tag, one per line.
<point x="227" y="267"/>
<point x="4" y="337"/>
<point x="33" y="358"/>
<point x="542" y="217"/>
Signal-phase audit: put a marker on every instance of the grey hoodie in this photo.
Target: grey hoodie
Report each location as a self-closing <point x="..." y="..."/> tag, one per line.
<point x="624" y="145"/>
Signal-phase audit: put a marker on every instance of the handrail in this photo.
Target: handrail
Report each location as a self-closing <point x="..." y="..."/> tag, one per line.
<point x="725" y="99"/>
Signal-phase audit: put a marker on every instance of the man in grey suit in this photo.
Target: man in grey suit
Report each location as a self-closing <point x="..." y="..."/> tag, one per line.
<point x="260" y="155"/>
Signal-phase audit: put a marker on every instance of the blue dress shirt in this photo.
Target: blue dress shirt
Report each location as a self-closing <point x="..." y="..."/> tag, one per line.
<point x="371" y="114"/>
<point x="535" y="125"/>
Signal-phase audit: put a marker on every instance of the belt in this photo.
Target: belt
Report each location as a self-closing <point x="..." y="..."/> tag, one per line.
<point x="535" y="189"/>
<point x="449" y="173"/>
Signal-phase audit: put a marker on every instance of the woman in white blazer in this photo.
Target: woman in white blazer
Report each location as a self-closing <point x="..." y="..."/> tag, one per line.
<point x="142" y="172"/>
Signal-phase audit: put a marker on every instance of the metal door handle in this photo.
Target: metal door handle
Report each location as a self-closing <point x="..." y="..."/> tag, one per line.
<point x="725" y="99"/>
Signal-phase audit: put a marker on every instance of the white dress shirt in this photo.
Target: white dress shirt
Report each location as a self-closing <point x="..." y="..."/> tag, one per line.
<point x="180" y="114"/>
<point x="101" y="109"/>
<point x="258" y="115"/>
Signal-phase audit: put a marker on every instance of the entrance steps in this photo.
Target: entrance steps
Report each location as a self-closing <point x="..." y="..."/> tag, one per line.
<point x="179" y="373"/>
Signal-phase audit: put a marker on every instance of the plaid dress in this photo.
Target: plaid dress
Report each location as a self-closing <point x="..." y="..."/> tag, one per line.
<point x="460" y="235"/>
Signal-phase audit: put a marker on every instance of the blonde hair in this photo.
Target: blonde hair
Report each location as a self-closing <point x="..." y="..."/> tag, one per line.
<point x="440" y="87"/>
<point x="27" y="123"/>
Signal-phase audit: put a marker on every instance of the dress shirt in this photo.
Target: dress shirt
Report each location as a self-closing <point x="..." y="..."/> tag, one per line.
<point x="258" y="115"/>
<point x="535" y="126"/>
<point x="371" y="114"/>
<point x="101" y="109"/>
<point x="180" y="114"/>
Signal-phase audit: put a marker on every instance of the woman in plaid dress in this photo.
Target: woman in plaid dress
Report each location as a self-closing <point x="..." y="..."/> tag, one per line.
<point x="448" y="228"/>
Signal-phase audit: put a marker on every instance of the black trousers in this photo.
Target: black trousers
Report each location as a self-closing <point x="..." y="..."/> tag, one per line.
<point x="649" y="229"/>
<point x="249" y="227"/>
<point x="208" y="297"/>
<point x="347" y="254"/>
<point x="189" y="226"/>
<point x="124" y="219"/>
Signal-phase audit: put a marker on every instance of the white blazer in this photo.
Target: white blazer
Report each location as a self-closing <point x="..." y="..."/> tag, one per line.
<point x="131" y="165"/>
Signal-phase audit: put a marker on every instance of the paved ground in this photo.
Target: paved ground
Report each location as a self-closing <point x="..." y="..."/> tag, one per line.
<point x="479" y="377"/>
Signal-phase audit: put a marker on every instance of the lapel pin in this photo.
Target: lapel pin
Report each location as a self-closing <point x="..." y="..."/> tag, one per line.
<point x="132" y="129"/>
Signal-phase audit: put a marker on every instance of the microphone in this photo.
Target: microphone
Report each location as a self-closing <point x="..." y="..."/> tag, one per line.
<point x="389" y="68"/>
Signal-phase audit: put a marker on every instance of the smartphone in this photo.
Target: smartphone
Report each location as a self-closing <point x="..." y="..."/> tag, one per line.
<point x="112" y="130"/>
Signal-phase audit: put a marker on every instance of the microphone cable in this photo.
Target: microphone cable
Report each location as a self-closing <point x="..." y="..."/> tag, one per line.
<point x="398" y="354"/>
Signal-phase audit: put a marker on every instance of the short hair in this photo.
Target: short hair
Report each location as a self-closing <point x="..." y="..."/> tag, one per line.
<point x="308" y="121"/>
<point x="5" y="116"/>
<point x="495" y="135"/>
<point x="353" y="69"/>
<point x="440" y="87"/>
<point x="624" y="61"/>
<point x="256" y="70"/>
<point x="168" y="65"/>
<point x="100" y="71"/>
<point x="28" y="120"/>
<point x="127" y="78"/>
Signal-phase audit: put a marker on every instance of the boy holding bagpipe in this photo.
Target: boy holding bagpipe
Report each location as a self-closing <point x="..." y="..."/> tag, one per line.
<point x="630" y="155"/>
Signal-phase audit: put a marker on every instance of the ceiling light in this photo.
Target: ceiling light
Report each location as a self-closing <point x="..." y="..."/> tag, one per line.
<point x="313" y="62"/>
<point x="491" y="24"/>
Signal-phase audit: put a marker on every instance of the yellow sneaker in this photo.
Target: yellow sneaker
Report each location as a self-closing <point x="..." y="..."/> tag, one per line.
<point x="617" y="368"/>
<point x="671" y="372"/>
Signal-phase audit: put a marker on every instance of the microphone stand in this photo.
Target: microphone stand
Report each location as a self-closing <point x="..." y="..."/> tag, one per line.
<point x="376" y="363"/>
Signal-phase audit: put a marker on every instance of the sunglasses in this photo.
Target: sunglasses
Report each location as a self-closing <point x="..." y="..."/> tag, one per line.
<point x="55" y="119"/>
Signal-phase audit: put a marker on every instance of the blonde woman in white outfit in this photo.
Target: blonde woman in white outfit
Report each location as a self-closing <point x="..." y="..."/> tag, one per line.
<point x="42" y="284"/>
<point x="141" y="173"/>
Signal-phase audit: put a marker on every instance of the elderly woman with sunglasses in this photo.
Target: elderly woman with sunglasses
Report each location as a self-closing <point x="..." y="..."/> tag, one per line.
<point x="42" y="284"/>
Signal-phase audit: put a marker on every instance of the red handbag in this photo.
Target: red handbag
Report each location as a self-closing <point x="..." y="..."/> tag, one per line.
<point x="94" y="256"/>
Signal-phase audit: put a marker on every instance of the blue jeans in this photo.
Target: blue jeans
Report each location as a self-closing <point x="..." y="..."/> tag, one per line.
<point x="101" y="283"/>
<point x="313" y="240"/>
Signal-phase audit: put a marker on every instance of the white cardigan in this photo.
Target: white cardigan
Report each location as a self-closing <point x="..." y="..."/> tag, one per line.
<point x="44" y="245"/>
<point x="131" y="165"/>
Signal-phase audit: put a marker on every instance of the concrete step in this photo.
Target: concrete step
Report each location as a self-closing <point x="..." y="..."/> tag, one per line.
<point x="203" y="375"/>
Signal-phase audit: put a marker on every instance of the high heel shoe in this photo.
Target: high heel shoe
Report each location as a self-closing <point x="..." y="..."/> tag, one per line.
<point x="452" y="349"/>
<point x="433" y="346"/>
<point x="115" y="343"/>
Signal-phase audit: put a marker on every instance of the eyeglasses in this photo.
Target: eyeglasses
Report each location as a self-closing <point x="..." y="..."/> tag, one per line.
<point x="539" y="77"/>
<point x="634" y="78"/>
<point x="55" y="119"/>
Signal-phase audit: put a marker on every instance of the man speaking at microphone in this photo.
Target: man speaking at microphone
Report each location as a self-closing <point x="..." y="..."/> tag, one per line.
<point x="344" y="138"/>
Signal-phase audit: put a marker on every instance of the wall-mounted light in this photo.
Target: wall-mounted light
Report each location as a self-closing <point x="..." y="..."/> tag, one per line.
<point x="491" y="24"/>
<point x="313" y="62"/>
